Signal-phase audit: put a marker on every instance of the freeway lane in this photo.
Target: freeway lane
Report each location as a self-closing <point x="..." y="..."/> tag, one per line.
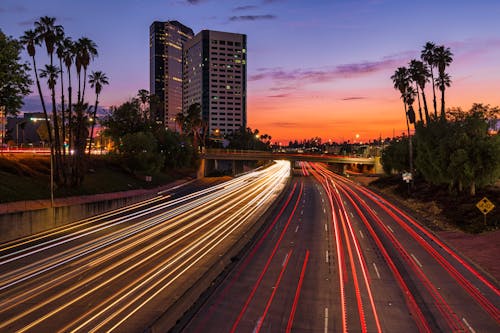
<point x="340" y="258"/>
<point x="122" y="270"/>
<point x="443" y="291"/>
<point x="291" y="281"/>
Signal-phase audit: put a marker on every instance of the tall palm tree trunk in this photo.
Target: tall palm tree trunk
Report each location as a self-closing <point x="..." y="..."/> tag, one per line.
<point x="63" y="116"/>
<point x="94" y="115"/>
<point x="46" y="115"/>
<point x="84" y="81"/>
<point x="443" y="116"/>
<point x="57" y="138"/>
<point x="434" y="93"/>
<point x="426" y="110"/>
<point x="70" y="112"/>
<point x="78" y="74"/>
<point x="410" y="145"/>
<point x="419" y="106"/>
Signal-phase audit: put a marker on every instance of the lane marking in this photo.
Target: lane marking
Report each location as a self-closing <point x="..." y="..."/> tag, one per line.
<point x="416" y="260"/>
<point x="297" y="294"/>
<point x="468" y="326"/>
<point x="297" y="229"/>
<point x="257" y="324"/>
<point x="388" y="227"/>
<point x="361" y="234"/>
<point x="326" y="227"/>
<point x="352" y="216"/>
<point x="285" y="260"/>
<point x="326" y="320"/>
<point x="322" y="200"/>
<point x="327" y="256"/>
<point x="302" y="212"/>
<point x="376" y="270"/>
<point x="324" y="210"/>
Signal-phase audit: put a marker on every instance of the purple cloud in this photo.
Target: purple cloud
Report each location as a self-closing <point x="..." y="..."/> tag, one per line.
<point x="242" y="8"/>
<point x="353" y="98"/>
<point x="279" y="95"/>
<point x="324" y="75"/>
<point x="252" y="17"/>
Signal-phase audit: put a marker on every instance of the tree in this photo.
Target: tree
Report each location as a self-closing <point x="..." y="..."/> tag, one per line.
<point x="428" y="55"/>
<point x="460" y="152"/>
<point x="124" y="119"/>
<point x="192" y="124"/>
<point x="29" y="39"/>
<point x="68" y="55"/>
<point x="144" y="98"/>
<point x="401" y="81"/>
<point x="443" y="59"/>
<point x="60" y="51"/>
<point x="395" y="156"/>
<point x="86" y="50"/>
<point x="96" y="80"/>
<point x="419" y="73"/>
<point x="14" y="78"/>
<point x="140" y="153"/>
<point x="51" y="72"/>
<point x="48" y="32"/>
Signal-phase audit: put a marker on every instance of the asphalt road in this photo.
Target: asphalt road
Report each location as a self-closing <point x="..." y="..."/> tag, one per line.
<point x="122" y="270"/>
<point x="333" y="257"/>
<point x="339" y="258"/>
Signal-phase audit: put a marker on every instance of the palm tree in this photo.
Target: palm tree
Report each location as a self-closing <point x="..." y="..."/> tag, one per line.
<point x="180" y="119"/>
<point x="48" y="32"/>
<point x="96" y="80"/>
<point x="401" y="80"/>
<point x="60" y="51"/>
<point x="51" y="72"/>
<point x="86" y="50"/>
<point x="409" y="99"/>
<point x="419" y="73"/>
<point x="29" y="40"/>
<point x="443" y="81"/>
<point x="68" y="49"/>
<point x="443" y="58"/>
<point x="428" y="55"/>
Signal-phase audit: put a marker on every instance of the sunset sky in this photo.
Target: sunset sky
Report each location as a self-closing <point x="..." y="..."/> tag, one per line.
<point x="315" y="68"/>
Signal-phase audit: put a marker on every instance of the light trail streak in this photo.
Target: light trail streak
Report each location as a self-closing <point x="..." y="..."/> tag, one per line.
<point x="260" y="191"/>
<point x="216" y="235"/>
<point x="460" y="278"/>
<point x="322" y="173"/>
<point x="297" y="294"/>
<point x="443" y="307"/>
<point x="273" y="293"/>
<point x="268" y="263"/>
<point x="55" y="261"/>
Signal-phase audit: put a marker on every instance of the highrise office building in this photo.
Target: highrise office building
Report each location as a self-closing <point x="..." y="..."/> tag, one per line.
<point x="215" y="77"/>
<point x="166" y="42"/>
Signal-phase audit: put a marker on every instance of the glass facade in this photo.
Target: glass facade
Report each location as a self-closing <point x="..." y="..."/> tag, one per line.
<point x="166" y="45"/>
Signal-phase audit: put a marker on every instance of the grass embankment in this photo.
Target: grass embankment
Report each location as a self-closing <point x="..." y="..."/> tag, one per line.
<point x="441" y="209"/>
<point x="24" y="177"/>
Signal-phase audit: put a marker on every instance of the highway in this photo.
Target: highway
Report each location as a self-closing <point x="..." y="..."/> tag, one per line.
<point x="333" y="256"/>
<point x="120" y="271"/>
<point x="338" y="258"/>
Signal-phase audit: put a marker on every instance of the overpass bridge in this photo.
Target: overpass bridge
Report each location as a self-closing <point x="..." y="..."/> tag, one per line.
<point x="225" y="159"/>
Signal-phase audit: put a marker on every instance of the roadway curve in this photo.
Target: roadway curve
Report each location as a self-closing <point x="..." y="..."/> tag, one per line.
<point x="121" y="270"/>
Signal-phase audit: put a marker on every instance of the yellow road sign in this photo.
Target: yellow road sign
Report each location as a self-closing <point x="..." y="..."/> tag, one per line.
<point x="485" y="205"/>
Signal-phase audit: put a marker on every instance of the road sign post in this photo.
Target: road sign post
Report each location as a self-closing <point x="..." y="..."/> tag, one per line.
<point x="485" y="206"/>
